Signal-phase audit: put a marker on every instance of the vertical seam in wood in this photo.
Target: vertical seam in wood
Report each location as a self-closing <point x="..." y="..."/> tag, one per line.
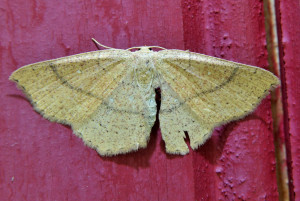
<point x="279" y="111"/>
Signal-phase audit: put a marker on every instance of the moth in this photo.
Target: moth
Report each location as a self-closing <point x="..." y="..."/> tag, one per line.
<point x="108" y="96"/>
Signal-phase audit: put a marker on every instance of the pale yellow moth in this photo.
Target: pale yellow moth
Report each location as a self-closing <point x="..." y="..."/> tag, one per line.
<point x="108" y="96"/>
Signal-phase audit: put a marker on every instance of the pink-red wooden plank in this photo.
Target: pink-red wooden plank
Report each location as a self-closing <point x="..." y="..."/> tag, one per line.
<point x="289" y="21"/>
<point x="238" y="162"/>
<point x="41" y="160"/>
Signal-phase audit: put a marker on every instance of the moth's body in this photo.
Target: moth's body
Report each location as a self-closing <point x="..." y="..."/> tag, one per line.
<point x="108" y="96"/>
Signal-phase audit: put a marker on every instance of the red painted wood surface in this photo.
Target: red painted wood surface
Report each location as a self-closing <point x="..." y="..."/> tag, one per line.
<point x="41" y="160"/>
<point x="289" y="21"/>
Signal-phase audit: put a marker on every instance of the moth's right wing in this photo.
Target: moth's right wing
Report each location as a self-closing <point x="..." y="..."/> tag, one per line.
<point x="200" y="92"/>
<point x="69" y="89"/>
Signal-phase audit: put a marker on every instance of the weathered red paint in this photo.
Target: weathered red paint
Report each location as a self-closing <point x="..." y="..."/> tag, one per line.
<point x="238" y="162"/>
<point x="289" y="32"/>
<point x="41" y="160"/>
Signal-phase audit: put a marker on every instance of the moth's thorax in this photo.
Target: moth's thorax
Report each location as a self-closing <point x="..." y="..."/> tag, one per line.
<point x="144" y="67"/>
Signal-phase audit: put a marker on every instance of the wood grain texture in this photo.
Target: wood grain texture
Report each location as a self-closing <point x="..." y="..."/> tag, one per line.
<point x="42" y="160"/>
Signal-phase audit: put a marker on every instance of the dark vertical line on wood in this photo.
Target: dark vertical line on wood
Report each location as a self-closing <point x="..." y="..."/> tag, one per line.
<point x="284" y="102"/>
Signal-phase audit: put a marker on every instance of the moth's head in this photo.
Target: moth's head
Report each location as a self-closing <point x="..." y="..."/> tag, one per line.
<point x="145" y="48"/>
<point x="141" y="49"/>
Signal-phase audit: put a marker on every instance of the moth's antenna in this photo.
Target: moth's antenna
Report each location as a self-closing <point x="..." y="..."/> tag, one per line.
<point x="106" y="47"/>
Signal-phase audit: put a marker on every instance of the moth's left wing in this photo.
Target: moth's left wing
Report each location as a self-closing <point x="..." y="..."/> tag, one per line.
<point x="95" y="93"/>
<point x="70" y="89"/>
<point x="200" y="92"/>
